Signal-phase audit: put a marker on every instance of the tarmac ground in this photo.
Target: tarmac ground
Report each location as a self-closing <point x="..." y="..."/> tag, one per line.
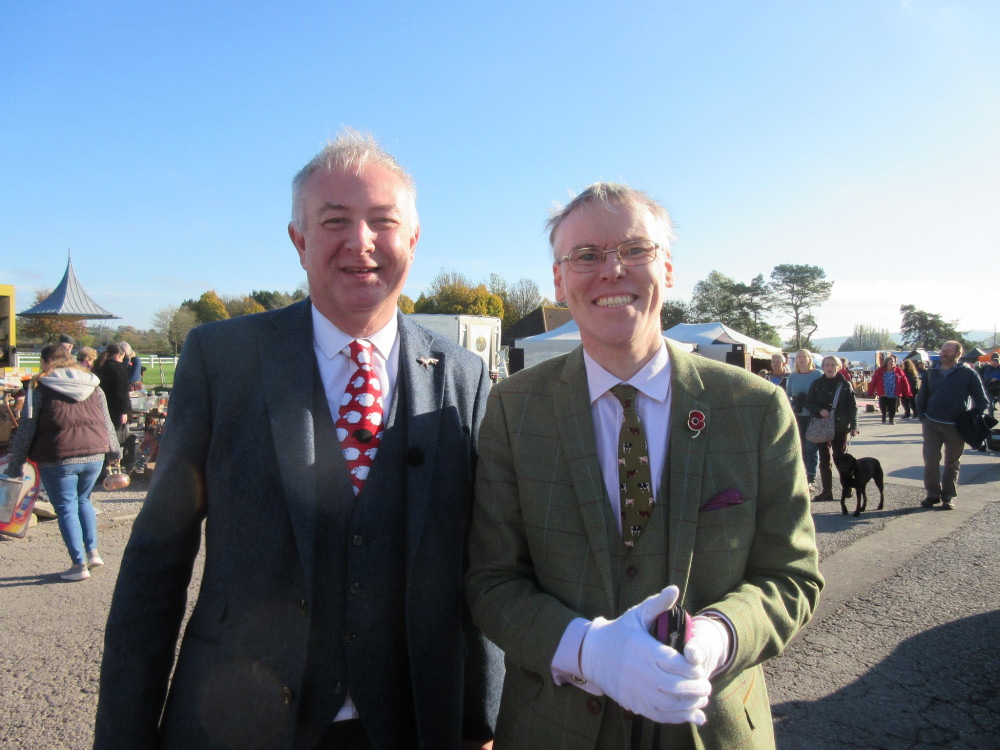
<point x="901" y="653"/>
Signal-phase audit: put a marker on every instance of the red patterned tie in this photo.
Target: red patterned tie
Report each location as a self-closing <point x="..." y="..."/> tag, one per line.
<point x="359" y="423"/>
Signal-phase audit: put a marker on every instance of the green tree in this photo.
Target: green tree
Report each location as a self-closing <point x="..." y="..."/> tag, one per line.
<point x="926" y="330"/>
<point x="672" y="313"/>
<point x="867" y="339"/>
<point x="405" y="304"/>
<point x="740" y="306"/>
<point x="796" y="290"/>
<point x="183" y="320"/>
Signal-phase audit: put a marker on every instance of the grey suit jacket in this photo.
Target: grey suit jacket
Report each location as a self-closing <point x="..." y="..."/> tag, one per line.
<point x="238" y="455"/>
<point x="731" y="528"/>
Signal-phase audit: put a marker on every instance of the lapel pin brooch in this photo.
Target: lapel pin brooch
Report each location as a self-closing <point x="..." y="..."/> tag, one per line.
<point x="696" y="422"/>
<point x="426" y="361"/>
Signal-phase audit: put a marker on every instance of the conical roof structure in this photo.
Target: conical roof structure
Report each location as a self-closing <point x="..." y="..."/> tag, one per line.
<point x="69" y="300"/>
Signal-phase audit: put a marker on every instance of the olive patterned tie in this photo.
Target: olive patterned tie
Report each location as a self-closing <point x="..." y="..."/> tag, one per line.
<point x="634" y="478"/>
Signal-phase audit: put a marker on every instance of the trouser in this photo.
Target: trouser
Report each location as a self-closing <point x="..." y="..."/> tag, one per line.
<point x="909" y="406"/>
<point x="938" y="483"/>
<point x="810" y="452"/>
<point x="68" y="487"/>
<point x="887" y="405"/>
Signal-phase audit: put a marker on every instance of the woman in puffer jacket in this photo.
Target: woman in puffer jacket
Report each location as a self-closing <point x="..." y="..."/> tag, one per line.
<point x="66" y="429"/>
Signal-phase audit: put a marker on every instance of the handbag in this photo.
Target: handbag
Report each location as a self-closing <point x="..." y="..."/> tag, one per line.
<point x="823" y="429"/>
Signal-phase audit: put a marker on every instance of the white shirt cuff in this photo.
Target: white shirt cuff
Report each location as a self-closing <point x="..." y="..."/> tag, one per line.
<point x="565" y="665"/>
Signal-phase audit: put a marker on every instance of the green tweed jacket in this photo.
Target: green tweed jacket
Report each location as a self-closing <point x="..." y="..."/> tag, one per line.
<point x="731" y="528"/>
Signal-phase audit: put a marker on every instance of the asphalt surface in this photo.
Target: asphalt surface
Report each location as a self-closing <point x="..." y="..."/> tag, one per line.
<point x="901" y="652"/>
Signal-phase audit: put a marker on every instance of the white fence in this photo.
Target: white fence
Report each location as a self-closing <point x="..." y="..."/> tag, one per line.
<point x="33" y="361"/>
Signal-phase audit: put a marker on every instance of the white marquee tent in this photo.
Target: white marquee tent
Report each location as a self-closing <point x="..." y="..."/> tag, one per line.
<point x="715" y="340"/>
<point x="561" y="340"/>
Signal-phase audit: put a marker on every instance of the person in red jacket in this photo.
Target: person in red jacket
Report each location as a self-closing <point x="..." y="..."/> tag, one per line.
<point x="890" y="384"/>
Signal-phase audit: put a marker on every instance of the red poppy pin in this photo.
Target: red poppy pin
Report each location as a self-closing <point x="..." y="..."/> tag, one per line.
<point x="696" y="422"/>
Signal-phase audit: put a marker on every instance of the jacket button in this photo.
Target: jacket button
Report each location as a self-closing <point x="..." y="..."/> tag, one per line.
<point x="287" y="695"/>
<point x="304" y="607"/>
<point x="354" y="587"/>
<point x="350" y="637"/>
<point x="626" y="714"/>
<point x="358" y="540"/>
<point x="338" y="688"/>
<point x="631" y="570"/>
<point x="594" y="706"/>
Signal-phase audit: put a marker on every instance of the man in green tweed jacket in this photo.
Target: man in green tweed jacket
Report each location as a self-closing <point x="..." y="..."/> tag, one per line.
<point x="555" y="580"/>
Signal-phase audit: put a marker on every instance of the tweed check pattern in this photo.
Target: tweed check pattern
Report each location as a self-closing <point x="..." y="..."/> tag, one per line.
<point x="359" y="423"/>
<point x="634" y="479"/>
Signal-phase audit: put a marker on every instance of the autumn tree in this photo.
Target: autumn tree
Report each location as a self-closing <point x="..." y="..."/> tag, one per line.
<point x="451" y="293"/>
<point x="519" y="298"/>
<point x="796" y="289"/>
<point x="47" y="329"/>
<point x="207" y="308"/>
<point x="405" y="304"/>
<point x="237" y="306"/>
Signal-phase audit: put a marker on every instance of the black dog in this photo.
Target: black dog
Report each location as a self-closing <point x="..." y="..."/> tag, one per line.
<point x="854" y="474"/>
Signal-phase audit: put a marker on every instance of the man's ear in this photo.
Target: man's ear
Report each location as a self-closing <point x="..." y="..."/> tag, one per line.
<point x="299" y="240"/>
<point x="557" y="282"/>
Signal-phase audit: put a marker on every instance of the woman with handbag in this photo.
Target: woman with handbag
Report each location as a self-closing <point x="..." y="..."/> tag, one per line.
<point x="831" y="399"/>
<point x="66" y="429"/>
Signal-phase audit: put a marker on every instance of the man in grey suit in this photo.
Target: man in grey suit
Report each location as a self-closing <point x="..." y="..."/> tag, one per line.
<point x="330" y="613"/>
<point x="619" y="480"/>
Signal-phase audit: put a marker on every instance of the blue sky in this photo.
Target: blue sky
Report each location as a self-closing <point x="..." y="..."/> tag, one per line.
<point x="157" y="140"/>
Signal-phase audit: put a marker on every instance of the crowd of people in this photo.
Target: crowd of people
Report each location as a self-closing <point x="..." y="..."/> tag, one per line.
<point x="599" y="551"/>
<point x="934" y="396"/>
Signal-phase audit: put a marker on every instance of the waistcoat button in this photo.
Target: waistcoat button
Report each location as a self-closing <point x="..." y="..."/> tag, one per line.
<point x="594" y="706"/>
<point x="287" y="695"/>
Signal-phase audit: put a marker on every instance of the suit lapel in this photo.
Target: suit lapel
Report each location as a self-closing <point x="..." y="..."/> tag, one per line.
<point x="686" y="457"/>
<point x="576" y="436"/>
<point x="288" y="375"/>
<point x="423" y="396"/>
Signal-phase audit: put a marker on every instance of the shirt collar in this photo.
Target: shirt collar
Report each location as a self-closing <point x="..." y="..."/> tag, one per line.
<point x="332" y="341"/>
<point x="653" y="378"/>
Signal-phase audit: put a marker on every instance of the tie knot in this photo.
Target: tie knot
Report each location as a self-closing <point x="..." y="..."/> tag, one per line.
<point x="361" y="353"/>
<point x="626" y="394"/>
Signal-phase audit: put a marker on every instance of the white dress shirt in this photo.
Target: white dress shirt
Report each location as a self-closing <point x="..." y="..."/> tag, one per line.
<point x="333" y="357"/>
<point x="653" y="405"/>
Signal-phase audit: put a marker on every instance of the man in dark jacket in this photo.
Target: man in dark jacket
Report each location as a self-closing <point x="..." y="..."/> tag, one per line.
<point x="943" y="395"/>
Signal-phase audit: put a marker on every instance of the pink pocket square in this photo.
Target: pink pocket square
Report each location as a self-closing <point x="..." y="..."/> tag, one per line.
<point x="724" y="499"/>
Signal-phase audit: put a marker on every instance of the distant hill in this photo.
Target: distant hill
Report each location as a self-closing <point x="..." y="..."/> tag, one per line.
<point x="832" y="343"/>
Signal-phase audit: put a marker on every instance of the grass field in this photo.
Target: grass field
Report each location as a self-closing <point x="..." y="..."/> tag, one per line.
<point x="152" y="377"/>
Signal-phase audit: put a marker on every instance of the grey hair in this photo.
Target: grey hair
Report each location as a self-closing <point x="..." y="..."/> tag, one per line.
<point x="614" y="195"/>
<point x="350" y="150"/>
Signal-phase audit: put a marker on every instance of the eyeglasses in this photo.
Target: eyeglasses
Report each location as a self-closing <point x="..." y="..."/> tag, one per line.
<point x="632" y="253"/>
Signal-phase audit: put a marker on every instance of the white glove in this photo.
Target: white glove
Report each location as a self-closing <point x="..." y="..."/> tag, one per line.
<point x="638" y="672"/>
<point x="708" y="646"/>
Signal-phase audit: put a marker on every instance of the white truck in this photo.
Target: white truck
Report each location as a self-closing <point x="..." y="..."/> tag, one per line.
<point x="477" y="333"/>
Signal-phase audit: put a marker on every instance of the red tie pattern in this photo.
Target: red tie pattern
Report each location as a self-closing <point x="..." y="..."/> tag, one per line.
<point x="359" y="423"/>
